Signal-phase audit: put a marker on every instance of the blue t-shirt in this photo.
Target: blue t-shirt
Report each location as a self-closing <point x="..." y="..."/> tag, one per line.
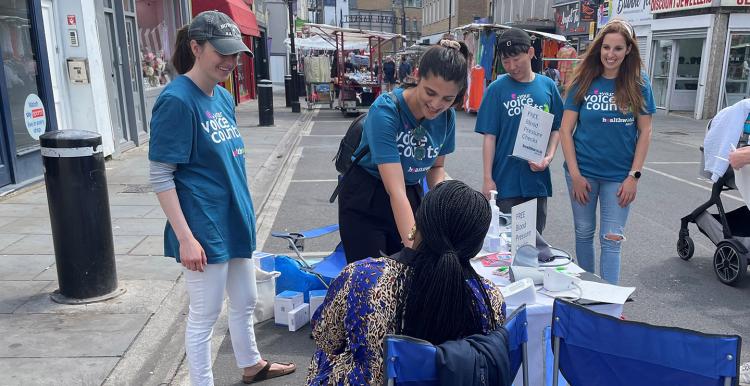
<point x="392" y="139"/>
<point x="500" y="115"/>
<point x="199" y="133"/>
<point x="605" y="138"/>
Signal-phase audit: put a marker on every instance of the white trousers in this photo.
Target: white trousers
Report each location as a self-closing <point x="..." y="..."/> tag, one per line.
<point x="206" y="292"/>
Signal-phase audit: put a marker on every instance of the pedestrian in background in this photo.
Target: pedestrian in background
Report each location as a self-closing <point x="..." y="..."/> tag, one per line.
<point x="389" y="73"/>
<point x="609" y="105"/>
<point x="499" y="117"/>
<point x="198" y="173"/>
<point x="406" y="136"/>
<point x="404" y="69"/>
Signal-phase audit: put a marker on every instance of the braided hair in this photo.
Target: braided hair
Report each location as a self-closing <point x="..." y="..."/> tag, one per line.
<point x="440" y="305"/>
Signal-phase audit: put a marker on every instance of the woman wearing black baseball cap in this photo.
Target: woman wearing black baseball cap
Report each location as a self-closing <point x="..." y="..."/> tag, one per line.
<point x="198" y="174"/>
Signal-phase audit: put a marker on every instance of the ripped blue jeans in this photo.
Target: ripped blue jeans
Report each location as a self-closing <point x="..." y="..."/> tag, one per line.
<point x="611" y="228"/>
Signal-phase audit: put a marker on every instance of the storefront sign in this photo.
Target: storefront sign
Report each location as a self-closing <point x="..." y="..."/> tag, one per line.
<point x="633" y="11"/>
<point x="660" y="6"/>
<point x="735" y="3"/>
<point x="568" y="20"/>
<point x="35" y="116"/>
<point x="588" y="10"/>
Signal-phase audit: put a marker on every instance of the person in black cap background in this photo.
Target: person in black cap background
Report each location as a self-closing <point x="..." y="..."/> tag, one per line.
<point x="499" y="117"/>
<point x="198" y="174"/>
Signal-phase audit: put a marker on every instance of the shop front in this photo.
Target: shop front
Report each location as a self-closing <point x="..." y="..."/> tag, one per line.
<point x="242" y="82"/>
<point x="736" y="85"/>
<point x="26" y="104"/>
<point x="574" y="25"/>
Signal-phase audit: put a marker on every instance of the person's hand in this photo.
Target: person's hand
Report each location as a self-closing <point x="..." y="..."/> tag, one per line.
<point x="626" y="192"/>
<point x="488" y="185"/>
<point x="740" y="157"/>
<point x="581" y="189"/>
<point x="541" y="165"/>
<point x="192" y="255"/>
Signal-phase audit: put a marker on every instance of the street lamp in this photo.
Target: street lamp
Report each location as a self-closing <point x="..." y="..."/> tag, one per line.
<point x="293" y="62"/>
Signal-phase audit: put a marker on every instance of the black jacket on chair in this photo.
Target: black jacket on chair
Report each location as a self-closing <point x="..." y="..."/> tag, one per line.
<point x="479" y="359"/>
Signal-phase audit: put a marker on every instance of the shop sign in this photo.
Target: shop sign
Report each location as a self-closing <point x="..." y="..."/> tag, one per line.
<point x="588" y="10"/>
<point x="568" y="20"/>
<point x="735" y="3"/>
<point x="34" y="116"/>
<point x="660" y="6"/>
<point x="633" y="11"/>
<point x="604" y="12"/>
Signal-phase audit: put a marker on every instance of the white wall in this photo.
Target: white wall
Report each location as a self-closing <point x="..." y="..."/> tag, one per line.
<point x="87" y="103"/>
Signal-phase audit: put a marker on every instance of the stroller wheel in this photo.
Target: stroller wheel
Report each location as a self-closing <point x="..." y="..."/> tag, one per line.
<point x="730" y="264"/>
<point x="685" y="247"/>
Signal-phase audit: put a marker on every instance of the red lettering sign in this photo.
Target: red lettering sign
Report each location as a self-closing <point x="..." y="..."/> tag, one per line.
<point x="37" y="113"/>
<point x="71" y="19"/>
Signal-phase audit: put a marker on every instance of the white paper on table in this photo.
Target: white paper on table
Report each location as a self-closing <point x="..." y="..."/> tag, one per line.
<point x="596" y="292"/>
<point x="533" y="134"/>
<point x="742" y="180"/>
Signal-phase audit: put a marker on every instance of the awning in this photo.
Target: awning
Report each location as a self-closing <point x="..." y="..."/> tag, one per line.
<point x="238" y="10"/>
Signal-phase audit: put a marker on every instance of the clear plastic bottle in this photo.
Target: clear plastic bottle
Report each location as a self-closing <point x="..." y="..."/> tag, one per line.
<point x="492" y="241"/>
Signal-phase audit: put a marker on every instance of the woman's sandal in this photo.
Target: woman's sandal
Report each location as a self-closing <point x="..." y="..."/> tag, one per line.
<point x="267" y="373"/>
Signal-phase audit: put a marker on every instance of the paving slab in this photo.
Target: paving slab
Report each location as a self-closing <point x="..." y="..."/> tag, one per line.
<point x="130" y="211"/>
<point x="27" y="225"/>
<point x="23" y="210"/>
<point x="55" y="371"/>
<point x="150" y="246"/>
<point x="14" y="294"/>
<point x="139" y="226"/>
<point x="124" y="244"/>
<point x="31" y="245"/>
<point x="75" y="335"/>
<point x="24" y="267"/>
<point x="6" y="240"/>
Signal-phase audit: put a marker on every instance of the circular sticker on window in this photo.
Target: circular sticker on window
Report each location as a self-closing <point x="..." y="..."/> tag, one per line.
<point x="35" y="116"/>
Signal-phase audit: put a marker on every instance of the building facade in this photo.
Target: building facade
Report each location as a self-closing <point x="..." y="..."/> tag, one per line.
<point x="442" y="16"/>
<point x="538" y="15"/>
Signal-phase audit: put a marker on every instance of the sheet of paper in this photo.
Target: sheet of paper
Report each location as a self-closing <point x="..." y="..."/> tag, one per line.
<point x="533" y="134"/>
<point x="597" y="292"/>
<point x="524" y="225"/>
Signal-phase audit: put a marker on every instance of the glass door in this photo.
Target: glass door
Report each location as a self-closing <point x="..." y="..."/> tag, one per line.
<point x="685" y="92"/>
<point x="661" y="71"/>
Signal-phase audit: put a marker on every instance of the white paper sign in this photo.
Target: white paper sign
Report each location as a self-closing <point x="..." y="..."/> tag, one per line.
<point x="533" y="134"/>
<point x="34" y="116"/>
<point x="524" y="225"/>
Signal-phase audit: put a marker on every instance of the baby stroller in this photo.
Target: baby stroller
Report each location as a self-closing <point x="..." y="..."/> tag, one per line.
<point x="730" y="232"/>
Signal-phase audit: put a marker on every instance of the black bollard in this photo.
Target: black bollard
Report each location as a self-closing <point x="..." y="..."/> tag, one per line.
<point x="301" y="84"/>
<point x="78" y="203"/>
<point x="265" y="103"/>
<point x="288" y="90"/>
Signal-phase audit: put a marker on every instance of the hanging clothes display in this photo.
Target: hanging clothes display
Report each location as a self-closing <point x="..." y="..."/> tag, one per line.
<point x="476" y="89"/>
<point x="566" y="66"/>
<point x="488" y="40"/>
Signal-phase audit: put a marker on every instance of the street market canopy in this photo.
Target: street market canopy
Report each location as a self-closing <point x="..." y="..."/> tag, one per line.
<point x="317" y="42"/>
<point x="237" y="10"/>
<point x="481" y="26"/>
<point x="330" y="33"/>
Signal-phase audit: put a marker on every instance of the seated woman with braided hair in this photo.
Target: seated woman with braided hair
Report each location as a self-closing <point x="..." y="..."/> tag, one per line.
<point x="430" y="292"/>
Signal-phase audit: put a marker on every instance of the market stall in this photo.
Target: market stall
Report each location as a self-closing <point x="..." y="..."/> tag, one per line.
<point x="357" y="89"/>
<point x="485" y="65"/>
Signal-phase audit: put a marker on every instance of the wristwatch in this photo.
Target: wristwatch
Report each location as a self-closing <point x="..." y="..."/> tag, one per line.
<point x="635" y="174"/>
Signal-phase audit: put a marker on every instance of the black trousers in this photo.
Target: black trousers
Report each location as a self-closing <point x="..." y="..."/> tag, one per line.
<point x="366" y="223"/>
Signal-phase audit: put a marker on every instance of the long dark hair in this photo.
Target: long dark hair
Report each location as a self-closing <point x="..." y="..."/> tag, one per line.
<point x="440" y="304"/>
<point x="183" y="58"/>
<point x="628" y="83"/>
<point x="449" y="60"/>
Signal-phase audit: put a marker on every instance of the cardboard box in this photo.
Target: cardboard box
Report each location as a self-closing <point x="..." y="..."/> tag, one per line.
<point x="299" y="317"/>
<point x="285" y="302"/>
<point x="316" y="299"/>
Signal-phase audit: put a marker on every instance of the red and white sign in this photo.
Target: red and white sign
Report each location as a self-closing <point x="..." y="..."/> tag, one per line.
<point x="735" y="3"/>
<point x="660" y="6"/>
<point x="71" y="19"/>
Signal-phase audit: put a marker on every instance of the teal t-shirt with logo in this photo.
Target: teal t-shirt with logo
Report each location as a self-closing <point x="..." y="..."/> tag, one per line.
<point x="393" y="139"/>
<point x="605" y="137"/>
<point x="500" y="115"/>
<point x="199" y="133"/>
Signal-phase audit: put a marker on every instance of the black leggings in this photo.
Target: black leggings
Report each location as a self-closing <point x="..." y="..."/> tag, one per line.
<point x="366" y="222"/>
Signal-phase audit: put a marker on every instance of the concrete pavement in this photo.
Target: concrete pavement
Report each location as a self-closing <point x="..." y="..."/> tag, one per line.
<point x="136" y="338"/>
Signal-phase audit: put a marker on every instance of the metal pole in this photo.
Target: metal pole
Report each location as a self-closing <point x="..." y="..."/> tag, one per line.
<point x="403" y="23"/>
<point x="293" y="62"/>
<point x="450" y="14"/>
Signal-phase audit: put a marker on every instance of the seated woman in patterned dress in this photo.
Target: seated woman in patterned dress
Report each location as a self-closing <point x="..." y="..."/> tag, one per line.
<point x="430" y="292"/>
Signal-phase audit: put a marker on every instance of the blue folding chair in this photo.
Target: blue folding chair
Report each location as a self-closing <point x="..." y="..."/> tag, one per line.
<point x="596" y="349"/>
<point x="411" y="362"/>
<point x="517" y="337"/>
<point x="331" y="265"/>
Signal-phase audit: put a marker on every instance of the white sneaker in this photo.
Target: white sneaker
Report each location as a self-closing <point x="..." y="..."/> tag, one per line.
<point x="745" y="374"/>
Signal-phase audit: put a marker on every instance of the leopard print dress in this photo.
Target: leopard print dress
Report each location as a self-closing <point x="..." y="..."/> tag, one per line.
<point x="359" y="310"/>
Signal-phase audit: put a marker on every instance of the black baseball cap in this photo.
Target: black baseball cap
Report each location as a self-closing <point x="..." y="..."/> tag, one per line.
<point x="514" y="37"/>
<point x="218" y="29"/>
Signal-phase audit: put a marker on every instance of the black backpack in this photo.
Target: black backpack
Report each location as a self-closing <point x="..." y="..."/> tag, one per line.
<point x="350" y="143"/>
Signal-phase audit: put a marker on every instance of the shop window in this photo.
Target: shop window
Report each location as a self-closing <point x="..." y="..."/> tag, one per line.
<point x="21" y="69"/>
<point x="737" y="86"/>
<point x="157" y="29"/>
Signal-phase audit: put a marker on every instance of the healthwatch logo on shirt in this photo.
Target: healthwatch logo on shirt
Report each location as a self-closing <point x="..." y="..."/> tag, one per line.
<point x="515" y="105"/>
<point x="219" y="128"/>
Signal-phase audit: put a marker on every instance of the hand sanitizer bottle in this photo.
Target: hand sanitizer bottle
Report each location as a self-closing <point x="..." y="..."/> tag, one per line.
<point x="492" y="241"/>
